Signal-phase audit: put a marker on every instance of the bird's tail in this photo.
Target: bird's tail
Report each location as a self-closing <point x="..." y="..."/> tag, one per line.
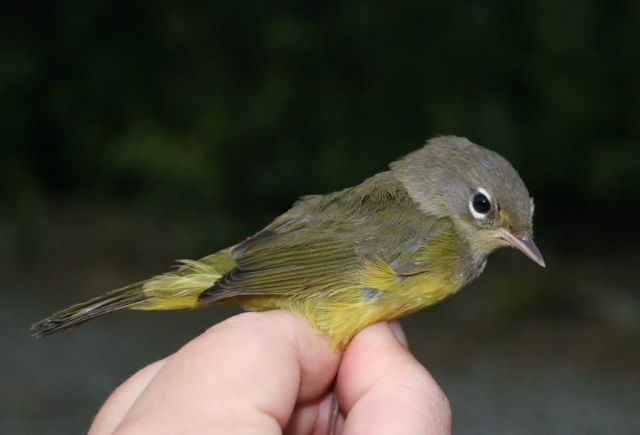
<point x="170" y="291"/>
<point x="124" y="297"/>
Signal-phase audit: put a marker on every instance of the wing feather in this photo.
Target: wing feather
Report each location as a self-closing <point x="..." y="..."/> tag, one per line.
<point x="323" y="241"/>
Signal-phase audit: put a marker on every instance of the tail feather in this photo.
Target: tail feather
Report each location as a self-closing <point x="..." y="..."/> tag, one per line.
<point x="174" y="290"/>
<point x="75" y="315"/>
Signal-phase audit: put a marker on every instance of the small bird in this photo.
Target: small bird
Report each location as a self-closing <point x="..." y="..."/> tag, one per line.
<point x="400" y="241"/>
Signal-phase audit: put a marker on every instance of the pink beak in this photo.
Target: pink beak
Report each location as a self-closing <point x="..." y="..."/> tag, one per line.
<point x="526" y="245"/>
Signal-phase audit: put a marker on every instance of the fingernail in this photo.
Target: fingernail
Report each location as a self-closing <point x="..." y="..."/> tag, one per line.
<point x="396" y="330"/>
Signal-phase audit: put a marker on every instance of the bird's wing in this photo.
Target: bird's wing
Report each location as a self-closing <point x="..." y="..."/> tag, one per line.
<point x="322" y="241"/>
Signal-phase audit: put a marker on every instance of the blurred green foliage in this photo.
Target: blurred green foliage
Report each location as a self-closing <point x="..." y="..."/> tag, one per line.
<point x="255" y="103"/>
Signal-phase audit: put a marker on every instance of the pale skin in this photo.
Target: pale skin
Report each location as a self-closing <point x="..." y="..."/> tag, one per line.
<point x="272" y="373"/>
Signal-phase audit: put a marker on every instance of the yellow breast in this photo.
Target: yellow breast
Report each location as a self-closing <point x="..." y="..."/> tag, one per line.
<point x="374" y="292"/>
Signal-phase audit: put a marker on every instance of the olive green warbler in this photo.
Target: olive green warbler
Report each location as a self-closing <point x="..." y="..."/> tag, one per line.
<point x="400" y="241"/>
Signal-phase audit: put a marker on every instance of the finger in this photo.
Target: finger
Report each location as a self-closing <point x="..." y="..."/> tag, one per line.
<point x="314" y="418"/>
<point x="307" y="417"/>
<point x="244" y="375"/>
<point x="118" y="404"/>
<point x="384" y="389"/>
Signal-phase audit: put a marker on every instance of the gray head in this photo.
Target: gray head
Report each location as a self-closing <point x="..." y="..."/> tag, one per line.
<point x="475" y="187"/>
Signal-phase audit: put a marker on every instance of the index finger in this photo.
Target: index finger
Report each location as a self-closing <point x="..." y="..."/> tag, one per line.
<point x="244" y="374"/>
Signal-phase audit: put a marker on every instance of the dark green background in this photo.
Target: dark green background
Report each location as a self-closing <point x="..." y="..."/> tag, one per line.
<point x="133" y="134"/>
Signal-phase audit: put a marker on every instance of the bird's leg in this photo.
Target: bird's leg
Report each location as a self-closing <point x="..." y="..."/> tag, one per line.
<point x="334" y="410"/>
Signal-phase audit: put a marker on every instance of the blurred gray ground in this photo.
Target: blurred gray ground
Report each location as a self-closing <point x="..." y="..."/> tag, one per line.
<point x="521" y="351"/>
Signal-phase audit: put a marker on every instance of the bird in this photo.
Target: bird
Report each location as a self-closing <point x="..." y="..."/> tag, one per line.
<point x="402" y="240"/>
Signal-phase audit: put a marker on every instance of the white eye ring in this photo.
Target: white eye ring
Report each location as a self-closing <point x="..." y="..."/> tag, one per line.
<point x="474" y="213"/>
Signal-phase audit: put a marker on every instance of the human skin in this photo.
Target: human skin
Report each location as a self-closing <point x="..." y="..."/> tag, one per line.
<point x="272" y="373"/>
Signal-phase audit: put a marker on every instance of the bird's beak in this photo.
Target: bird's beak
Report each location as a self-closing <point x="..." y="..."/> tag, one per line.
<point x="524" y="244"/>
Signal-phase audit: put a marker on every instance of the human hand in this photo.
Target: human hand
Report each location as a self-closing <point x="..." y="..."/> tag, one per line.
<point x="271" y="372"/>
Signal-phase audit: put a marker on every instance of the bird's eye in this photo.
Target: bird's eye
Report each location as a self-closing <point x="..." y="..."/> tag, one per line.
<point x="480" y="204"/>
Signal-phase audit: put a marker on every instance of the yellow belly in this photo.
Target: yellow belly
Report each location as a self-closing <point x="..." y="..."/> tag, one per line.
<point x="374" y="293"/>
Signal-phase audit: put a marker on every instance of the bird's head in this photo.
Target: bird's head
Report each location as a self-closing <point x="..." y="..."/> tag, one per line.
<point x="475" y="187"/>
